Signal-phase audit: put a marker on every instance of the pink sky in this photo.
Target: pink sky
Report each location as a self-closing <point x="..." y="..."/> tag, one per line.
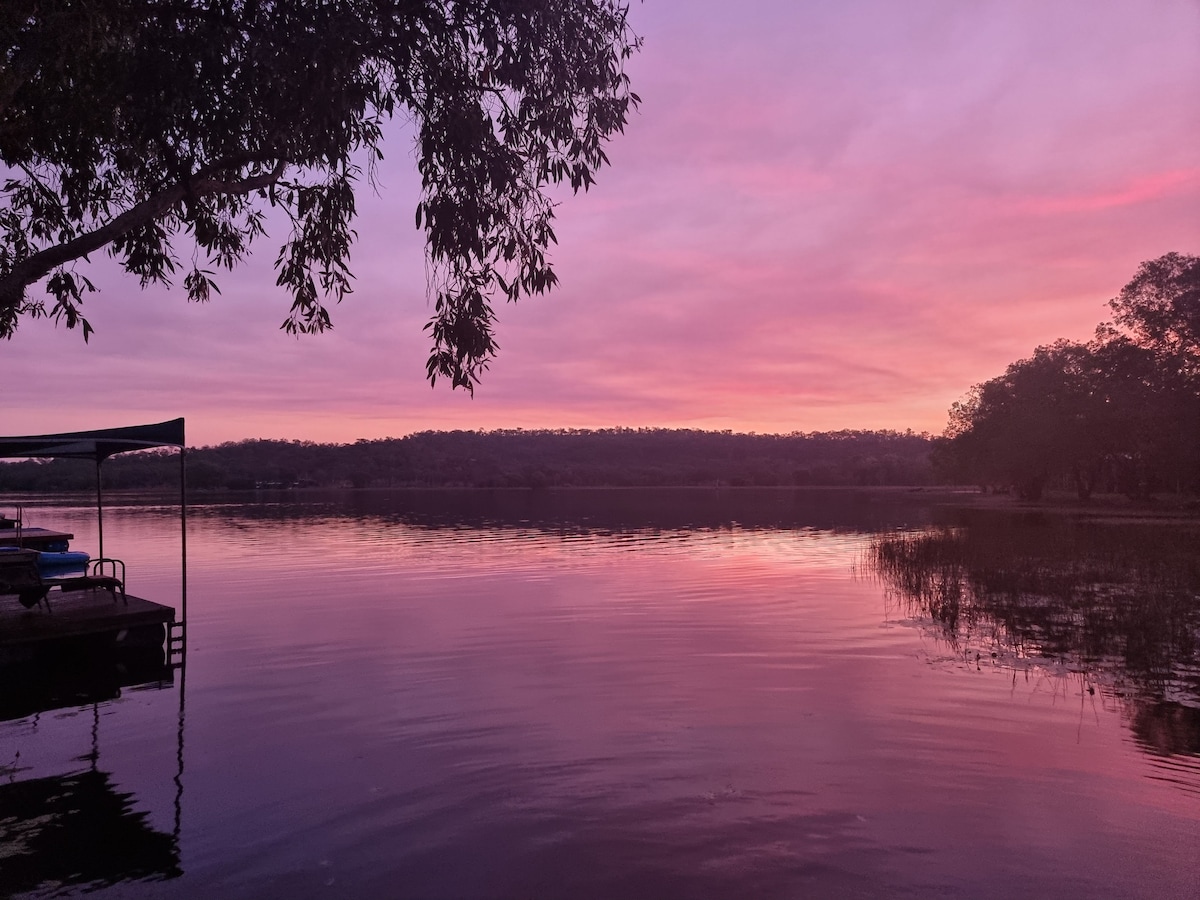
<point x="824" y="216"/>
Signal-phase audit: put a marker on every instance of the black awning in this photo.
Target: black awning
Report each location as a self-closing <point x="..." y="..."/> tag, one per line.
<point x="98" y="445"/>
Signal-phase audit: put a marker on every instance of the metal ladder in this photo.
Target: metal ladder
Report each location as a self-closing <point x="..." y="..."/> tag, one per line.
<point x="176" y="643"/>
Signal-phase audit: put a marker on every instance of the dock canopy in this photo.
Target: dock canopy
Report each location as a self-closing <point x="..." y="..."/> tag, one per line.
<point x="98" y="445"/>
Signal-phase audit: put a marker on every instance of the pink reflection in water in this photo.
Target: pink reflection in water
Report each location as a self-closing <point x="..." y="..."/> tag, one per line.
<point x="506" y="711"/>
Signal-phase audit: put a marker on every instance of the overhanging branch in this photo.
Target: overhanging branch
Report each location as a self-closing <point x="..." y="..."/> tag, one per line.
<point x="32" y="269"/>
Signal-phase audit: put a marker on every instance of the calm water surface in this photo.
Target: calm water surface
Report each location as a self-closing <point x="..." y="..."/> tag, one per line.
<point x="630" y="698"/>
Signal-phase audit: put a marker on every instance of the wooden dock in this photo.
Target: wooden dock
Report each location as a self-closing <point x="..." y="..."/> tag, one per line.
<point x="80" y="619"/>
<point x="34" y="538"/>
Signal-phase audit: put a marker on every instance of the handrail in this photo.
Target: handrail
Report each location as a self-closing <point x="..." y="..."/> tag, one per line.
<point x="19" y="523"/>
<point x="99" y="565"/>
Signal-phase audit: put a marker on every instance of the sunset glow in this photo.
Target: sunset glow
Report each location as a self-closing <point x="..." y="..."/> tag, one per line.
<point x="823" y="216"/>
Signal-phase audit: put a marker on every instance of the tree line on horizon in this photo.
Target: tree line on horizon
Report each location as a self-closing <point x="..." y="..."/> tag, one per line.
<point x="1117" y="414"/>
<point x="617" y="457"/>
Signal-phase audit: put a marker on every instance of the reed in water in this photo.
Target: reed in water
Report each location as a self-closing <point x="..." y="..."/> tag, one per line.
<point x="1119" y="603"/>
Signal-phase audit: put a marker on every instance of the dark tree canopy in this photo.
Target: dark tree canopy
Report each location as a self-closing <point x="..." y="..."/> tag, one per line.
<point x="1042" y="414"/>
<point x="1160" y="307"/>
<point x="131" y="126"/>
<point x="1121" y="411"/>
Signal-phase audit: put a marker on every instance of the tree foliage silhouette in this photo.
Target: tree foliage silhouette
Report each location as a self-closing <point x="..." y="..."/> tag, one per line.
<point x="128" y="125"/>
<point x="1123" y="408"/>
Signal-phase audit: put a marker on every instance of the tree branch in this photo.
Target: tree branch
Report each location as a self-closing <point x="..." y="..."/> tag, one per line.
<point x="33" y="268"/>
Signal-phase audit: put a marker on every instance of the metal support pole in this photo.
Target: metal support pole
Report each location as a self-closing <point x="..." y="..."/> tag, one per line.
<point x="99" y="509"/>
<point x="183" y="532"/>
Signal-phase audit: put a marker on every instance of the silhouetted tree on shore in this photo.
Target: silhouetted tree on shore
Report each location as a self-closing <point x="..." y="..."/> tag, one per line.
<point x="1122" y="410"/>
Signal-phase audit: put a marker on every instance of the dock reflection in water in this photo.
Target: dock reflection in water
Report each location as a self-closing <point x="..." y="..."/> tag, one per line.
<point x="79" y="829"/>
<point x="661" y="695"/>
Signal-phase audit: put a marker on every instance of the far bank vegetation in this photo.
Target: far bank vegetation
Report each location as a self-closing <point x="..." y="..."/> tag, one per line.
<point x="616" y="457"/>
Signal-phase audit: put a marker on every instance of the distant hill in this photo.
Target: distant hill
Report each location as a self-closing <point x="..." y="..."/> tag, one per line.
<point x="617" y="457"/>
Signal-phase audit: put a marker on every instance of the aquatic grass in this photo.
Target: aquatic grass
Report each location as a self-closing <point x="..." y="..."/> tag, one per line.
<point x="1119" y="601"/>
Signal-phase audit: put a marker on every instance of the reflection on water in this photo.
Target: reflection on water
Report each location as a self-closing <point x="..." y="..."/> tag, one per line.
<point x="1113" y="607"/>
<point x="77" y="675"/>
<point x="1167" y="729"/>
<point x="1121" y="601"/>
<point x="78" y="830"/>
<point x="658" y="695"/>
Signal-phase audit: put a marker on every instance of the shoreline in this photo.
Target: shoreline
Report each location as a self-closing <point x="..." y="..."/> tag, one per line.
<point x="1168" y="508"/>
<point x="1101" y="506"/>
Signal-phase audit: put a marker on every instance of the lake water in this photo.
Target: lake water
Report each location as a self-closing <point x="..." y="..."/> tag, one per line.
<point x="603" y="695"/>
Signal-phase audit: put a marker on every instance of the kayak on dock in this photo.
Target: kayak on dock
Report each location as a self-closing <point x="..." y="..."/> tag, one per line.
<point x="63" y="559"/>
<point x="54" y="551"/>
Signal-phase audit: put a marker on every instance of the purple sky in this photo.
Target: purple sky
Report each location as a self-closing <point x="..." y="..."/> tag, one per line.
<point x="824" y="215"/>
